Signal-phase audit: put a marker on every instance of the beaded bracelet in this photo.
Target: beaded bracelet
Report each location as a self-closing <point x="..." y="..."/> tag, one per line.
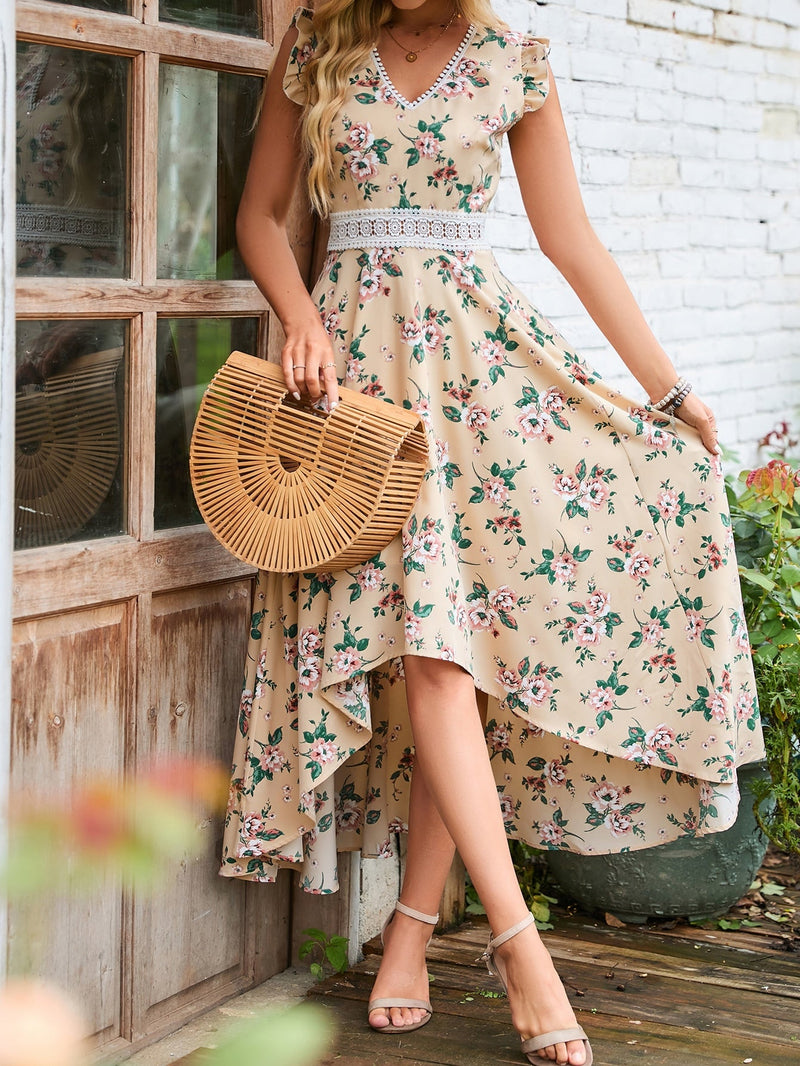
<point x="673" y="407"/>
<point x="665" y="401"/>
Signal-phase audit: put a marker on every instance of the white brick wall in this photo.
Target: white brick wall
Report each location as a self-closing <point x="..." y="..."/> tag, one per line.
<point x="684" y="118"/>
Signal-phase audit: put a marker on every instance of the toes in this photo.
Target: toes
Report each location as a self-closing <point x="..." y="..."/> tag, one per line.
<point x="378" y="1018"/>
<point x="577" y="1054"/>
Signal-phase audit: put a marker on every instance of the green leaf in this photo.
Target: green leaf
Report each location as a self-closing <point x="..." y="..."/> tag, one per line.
<point x="769" y="888"/>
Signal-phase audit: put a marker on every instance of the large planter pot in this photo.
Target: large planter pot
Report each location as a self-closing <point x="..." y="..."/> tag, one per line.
<point x="696" y="877"/>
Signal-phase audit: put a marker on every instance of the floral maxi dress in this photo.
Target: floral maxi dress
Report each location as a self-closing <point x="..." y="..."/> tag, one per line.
<point x="570" y="548"/>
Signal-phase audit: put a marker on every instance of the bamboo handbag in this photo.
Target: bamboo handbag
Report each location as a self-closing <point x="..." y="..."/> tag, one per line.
<point x="287" y="487"/>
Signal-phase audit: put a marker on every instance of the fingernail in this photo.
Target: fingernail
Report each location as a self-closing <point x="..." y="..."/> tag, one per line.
<point x="334" y="405"/>
<point x="717" y="449"/>
<point x="296" y="395"/>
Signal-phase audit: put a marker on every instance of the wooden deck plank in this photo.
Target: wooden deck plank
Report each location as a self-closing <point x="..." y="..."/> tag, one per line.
<point x="660" y="997"/>
<point x="476" y="1041"/>
<point x="756" y="1015"/>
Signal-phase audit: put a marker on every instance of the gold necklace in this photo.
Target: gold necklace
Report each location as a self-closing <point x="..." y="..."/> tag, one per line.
<point x="411" y="56"/>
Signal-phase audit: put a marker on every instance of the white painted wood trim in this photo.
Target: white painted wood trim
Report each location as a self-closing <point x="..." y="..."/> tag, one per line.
<point x="7" y="362"/>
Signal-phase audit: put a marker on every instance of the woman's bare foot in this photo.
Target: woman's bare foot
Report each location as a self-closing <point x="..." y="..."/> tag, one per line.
<point x="538" y="1000"/>
<point x="402" y="972"/>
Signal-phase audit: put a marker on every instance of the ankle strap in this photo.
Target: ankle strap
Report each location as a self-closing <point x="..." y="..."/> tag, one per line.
<point x="498" y="940"/>
<point x="431" y="919"/>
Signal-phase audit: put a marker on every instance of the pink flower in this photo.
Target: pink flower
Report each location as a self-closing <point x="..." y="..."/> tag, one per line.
<point x="508" y="679"/>
<point x="427" y="145"/>
<point x="492" y="124"/>
<point x="323" y="751"/>
<point x="503" y="599"/>
<point x="410" y="331"/>
<point x="743" y="706"/>
<point x="309" y="673"/>
<point x="331" y="321"/>
<point x="668" y="504"/>
<point x="618" y="823"/>
<point x="346" y="661"/>
<point x="499" y="738"/>
<point x="369" y="577"/>
<point x="363" y="166"/>
<point x="605" y="796"/>
<point x="564" y="567"/>
<point x="638" y="564"/>
<point x="370" y="284"/>
<point x="535" y="690"/>
<point x="552" y="399"/>
<point x="652" y="632"/>
<point x="717" y="706"/>
<point x="601" y="699"/>
<point x="587" y="632"/>
<point x="349" y="815"/>
<point x="598" y="605"/>
<point x="496" y="490"/>
<point x="566" y="487"/>
<point x="272" y="759"/>
<point x="491" y="351"/>
<point x="360" y="135"/>
<point x="475" y="416"/>
<point x="534" y="422"/>
<point x="480" y="617"/>
<point x="476" y="199"/>
<point x="551" y="833"/>
<point x="454" y="86"/>
<point x="413" y="626"/>
<point x="694" y="625"/>
<point x="309" y="640"/>
<point x="555" y="772"/>
<point x="660" y="739"/>
<point x="432" y="336"/>
<point x="593" y="493"/>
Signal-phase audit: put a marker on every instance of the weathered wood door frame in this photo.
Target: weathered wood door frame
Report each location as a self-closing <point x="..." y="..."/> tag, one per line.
<point x="128" y="586"/>
<point x="7" y="239"/>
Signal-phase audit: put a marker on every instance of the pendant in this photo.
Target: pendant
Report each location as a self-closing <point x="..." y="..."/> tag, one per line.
<point x="411" y="57"/>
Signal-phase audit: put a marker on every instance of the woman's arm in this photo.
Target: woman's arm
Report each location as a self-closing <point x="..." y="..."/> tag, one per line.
<point x="275" y="167"/>
<point x="552" y="198"/>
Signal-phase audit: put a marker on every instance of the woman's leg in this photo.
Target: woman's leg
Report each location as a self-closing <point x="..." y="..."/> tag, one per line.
<point x="429" y="856"/>
<point x="451" y="752"/>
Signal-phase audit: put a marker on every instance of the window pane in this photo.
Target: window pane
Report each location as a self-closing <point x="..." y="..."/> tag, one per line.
<point x="200" y="178"/>
<point x="70" y="388"/>
<point x="120" y="7"/>
<point x="229" y="16"/>
<point x="71" y="162"/>
<point x="190" y="350"/>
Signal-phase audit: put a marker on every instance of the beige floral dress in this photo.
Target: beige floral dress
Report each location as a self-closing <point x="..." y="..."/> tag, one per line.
<point x="570" y="547"/>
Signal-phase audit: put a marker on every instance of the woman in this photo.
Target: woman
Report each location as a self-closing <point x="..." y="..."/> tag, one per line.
<point x="567" y="572"/>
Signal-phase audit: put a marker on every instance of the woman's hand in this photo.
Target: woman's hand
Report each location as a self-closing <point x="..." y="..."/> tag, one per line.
<point x="695" y="413"/>
<point x="309" y="368"/>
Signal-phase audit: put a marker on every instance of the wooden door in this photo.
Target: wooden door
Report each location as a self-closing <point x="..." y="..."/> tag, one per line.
<point x="134" y="123"/>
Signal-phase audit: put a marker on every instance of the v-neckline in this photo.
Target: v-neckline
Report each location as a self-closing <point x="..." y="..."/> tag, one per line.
<point x="411" y="104"/>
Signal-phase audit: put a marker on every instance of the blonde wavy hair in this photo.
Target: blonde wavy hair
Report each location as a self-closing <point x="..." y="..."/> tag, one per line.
<point x="346" y="30"/>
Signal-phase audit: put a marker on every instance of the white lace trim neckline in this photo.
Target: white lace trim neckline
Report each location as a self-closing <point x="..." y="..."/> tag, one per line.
<point x="448" y="70"/>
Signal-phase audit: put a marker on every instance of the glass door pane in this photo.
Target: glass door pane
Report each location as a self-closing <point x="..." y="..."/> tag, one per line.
<point x="71" y="162"/>
<point x="70" y="431"/>
<point x="190" y="351"/>
<point x="229" y="16"/>
<point x="201" y="176"/>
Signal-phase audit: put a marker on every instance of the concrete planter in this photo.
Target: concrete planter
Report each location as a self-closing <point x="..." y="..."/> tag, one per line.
<point x="697" y="878"/>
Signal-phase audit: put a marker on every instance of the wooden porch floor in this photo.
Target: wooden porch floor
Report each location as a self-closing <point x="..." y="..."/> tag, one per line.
<point x="680" y="996"/>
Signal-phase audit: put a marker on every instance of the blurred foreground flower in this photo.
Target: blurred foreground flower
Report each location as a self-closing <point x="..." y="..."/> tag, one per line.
<point x="40" y="1026"/>
<point x="68" y="843"/>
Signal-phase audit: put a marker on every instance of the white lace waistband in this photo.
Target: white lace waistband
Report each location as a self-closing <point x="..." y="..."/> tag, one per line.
<point x="457" y="231"/>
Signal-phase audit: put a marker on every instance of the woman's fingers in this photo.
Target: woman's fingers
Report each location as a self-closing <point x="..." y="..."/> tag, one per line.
<point x="309" y="370"/>
<point x="695" y="413"/>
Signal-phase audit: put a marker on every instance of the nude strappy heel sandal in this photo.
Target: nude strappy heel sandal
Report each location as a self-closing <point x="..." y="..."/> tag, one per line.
<point x="497" y="968"/>
<point x="387" y="1004"/>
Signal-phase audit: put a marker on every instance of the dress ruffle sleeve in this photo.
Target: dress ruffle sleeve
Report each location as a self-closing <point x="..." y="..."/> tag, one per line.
<point x="535" y="78"/>
<point x="293" y="80"/>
